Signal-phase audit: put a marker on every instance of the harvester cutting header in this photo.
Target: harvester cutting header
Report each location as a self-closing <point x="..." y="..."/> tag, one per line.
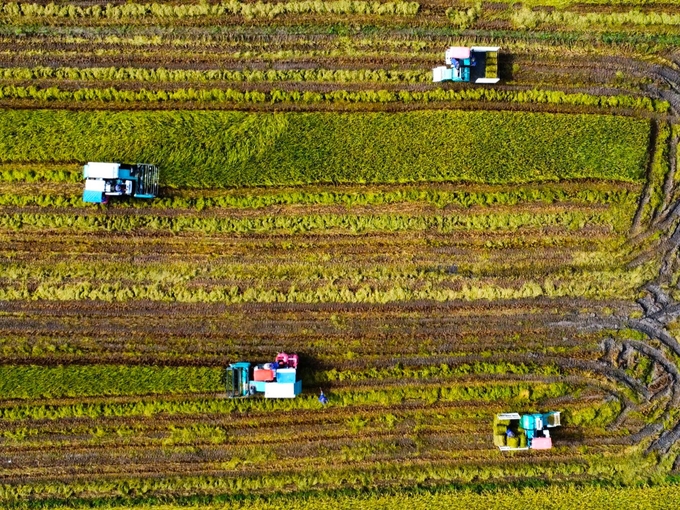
<point x="478" y="64"/>
<point x="103" y="180"/>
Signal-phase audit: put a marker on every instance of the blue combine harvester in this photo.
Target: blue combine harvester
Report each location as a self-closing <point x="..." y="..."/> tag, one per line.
<point x="478" y="64"/>
<point x="514" y="431"/>
<point x="103" y="180"/>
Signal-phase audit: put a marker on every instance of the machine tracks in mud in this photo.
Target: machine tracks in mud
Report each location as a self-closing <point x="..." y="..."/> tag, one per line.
<point x="658" y="385"/>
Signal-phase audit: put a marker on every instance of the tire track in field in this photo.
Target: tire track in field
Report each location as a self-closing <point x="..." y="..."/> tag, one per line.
<point x="657" y="384"/>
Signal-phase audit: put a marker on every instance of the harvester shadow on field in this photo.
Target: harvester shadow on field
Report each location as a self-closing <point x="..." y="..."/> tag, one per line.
<point x="572" y="436"/>
<point x="505" y="66"/>
<point x="309" y="365"/>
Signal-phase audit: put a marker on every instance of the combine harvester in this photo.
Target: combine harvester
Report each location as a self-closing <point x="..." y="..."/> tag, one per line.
<point x="103" y="180"/>
<point x="512" y="431"/>
<point x="478" y="64"/>
<point x="275" y="380"/>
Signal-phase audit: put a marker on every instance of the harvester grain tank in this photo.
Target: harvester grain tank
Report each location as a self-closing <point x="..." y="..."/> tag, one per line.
<point x="478" y="64"/>
<point x="274" y="380"/>
<point x="103" y="180"/>
<point x="514" y="431"/>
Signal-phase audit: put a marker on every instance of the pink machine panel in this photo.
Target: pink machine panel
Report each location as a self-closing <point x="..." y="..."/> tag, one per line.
<point x="541" y="443"/>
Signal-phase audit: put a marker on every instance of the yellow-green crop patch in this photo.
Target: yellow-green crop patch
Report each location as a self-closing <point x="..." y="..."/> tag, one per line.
<point x="221" y="149"/>
<point x="30" y="381"/>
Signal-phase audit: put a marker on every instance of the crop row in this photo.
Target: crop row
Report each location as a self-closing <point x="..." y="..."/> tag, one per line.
<point x="387" y="395"/>
<point x="140" y="444"/>
<point x="240" y="427"/>
<point x="255" y="426"/>
<point x="534" y="15"/>
<point x="237" y="433"/>
<point x="345" y="223"/>
<point x="549" y="61"/>
<point x="218" y="40"/>
<point x="56" y="179"/>
<point x="123" y="53"/>
<point x="31" y="381"/>
<point x="249" y="43"/>
<point x="406" y="473"/>
<point x="420" y="247"/>
<point x="527" y="18"/>
<point x="334" y="445"/>
<point x="294" y="269"/>
<point x="139" y="330"/>
<point x="344" y="448"/>
<point x="658" y="174"/>
<point x="459" y="447"/>
<point x="278" y="265"/>
<point x="400" y="372"/>
<point x="371" y="197"/>
<point x="383" y="39"/>
<point x="112" y="94"/>
<point x="139" y="349"/>
<point x="258" y="9"/>
<point x="295" y="280"/>
<point x="71" y="49"/>
<point x="161" y="75"/>
<point x="195" y="75"/>
<point x="221" y="149"/>
<point x="339" y="340"/>
<point x="439" y="196"/>
<point x="591" y="284"/>
<point x="564" y="4"/>
<point x="78" y="380"/>
<point x="660" y="496"/>
<point x="419" y="254"/>
<point x="38" y="173"/>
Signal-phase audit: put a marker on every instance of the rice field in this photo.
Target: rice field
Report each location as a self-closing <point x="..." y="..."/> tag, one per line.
<point x="436" y="253"/>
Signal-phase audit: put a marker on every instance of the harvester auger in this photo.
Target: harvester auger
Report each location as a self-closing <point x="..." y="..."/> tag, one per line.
<point x="103" y="180"/>
<point x="275" y="380"/>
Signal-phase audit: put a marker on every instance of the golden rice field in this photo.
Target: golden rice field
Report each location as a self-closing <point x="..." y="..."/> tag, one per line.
<point x="436" y="253"/>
